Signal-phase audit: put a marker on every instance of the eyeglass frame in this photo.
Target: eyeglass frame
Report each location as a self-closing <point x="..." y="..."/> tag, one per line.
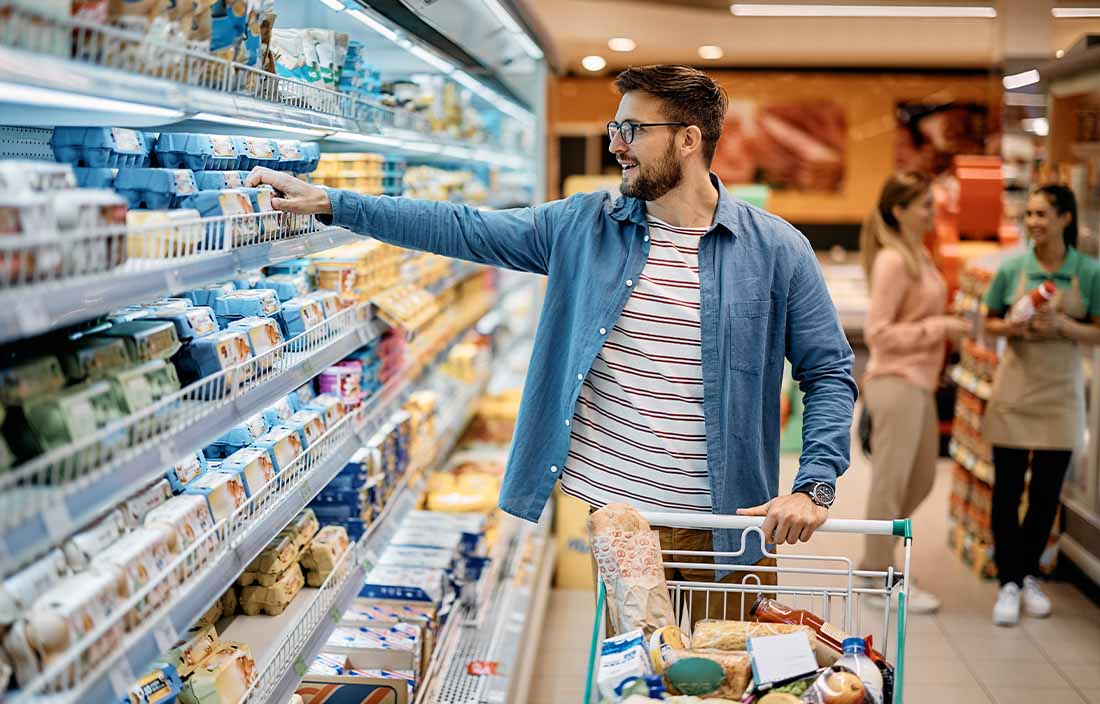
<point x="636" y="126"/>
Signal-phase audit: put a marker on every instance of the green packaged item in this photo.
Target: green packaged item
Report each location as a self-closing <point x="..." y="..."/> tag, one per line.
<point x="72" y="414"/>
<point x="23" y="382"/>
<point x="145" y="384"/>
<point x="94" y="358"/>
<point x="146" y="340"/>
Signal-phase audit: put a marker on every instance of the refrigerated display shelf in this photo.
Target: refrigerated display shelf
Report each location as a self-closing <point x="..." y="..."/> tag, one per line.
<point x="981" y="469"/>
<point x="969" y="381"/>
<point x="47" y="305"/>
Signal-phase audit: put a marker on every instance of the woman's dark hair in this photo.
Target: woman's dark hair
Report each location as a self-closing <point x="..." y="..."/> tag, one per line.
<point x="1063" y="201"/>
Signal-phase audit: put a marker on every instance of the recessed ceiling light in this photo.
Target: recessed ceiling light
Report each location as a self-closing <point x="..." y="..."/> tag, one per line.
<point x="1063" y="13"/>
<point x="806" y="10"/>
<point x="594" y="63"/>
<point x="1059" y="54"/>
<point x="1019" y="80"/>
<point x="709" y="51"/>
<point x="621" y="44"/>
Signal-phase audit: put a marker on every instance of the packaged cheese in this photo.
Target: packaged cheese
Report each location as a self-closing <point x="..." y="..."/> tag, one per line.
<point x="222" y="678"/>
<point x="199" y="643"/>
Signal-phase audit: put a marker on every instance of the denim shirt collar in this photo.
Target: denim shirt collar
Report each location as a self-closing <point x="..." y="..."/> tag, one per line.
<point x="633" y="209"/>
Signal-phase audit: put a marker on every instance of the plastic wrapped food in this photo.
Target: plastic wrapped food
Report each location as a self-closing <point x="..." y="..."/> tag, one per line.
<point x="734" y="635"/>
<point x="99" y="147"/>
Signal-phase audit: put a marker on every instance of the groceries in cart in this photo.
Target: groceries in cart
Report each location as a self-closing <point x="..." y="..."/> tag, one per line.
<point x="782" y="655"/>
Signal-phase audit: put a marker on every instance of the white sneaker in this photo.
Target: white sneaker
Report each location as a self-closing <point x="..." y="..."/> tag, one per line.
<point x="922" y="602"/>
<point x="1007" y="610"/>
<point x="1036" y="603"/>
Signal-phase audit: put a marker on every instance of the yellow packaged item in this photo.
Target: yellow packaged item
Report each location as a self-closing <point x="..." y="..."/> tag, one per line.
<point x="164" y="234"/>
<point x="223" y="678"/>
<point x="200" y="642"/>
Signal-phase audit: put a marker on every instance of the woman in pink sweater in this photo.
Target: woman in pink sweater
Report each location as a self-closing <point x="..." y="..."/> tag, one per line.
<point x="905" y="331"/>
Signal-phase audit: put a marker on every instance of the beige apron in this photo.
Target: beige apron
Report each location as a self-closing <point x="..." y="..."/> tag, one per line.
<point x="1038" y="397"/>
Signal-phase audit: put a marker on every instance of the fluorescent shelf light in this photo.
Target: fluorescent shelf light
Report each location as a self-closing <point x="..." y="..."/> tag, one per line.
<point x="709" y="51"/>
<point x="1066" y="13"/>
<point x="806" y="10"/>
<point x="503" y="16"/>
<point x="334" y="5"/>
<point x="1019" y="80"/>
<point x="622" y="44"/>
<point x="256" y="124"/>
<point x="49" y="98"/>
<point x="529" y="46"/>
<point x="365" y="139"/>
<point x="594" y="63"/>
<point x="431" y="58"/>
<point x="374" y="24"/>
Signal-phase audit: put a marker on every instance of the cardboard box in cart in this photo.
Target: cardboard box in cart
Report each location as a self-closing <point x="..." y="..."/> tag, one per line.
<point x="345" y="689"/>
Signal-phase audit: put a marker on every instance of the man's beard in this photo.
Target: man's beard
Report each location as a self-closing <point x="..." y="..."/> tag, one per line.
<point x="665" y="175"/>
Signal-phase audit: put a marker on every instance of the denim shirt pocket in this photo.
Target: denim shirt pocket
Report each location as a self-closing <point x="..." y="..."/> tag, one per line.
<point x="748" y="334"/>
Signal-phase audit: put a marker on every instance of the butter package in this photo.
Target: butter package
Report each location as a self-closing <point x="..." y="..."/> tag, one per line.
<point x="421" y="536"/>
<point x="328" y="664"/>
<point x="138" y="506"/>
<point x="192" y="322"/>
<point x="93" y="358"/>
<point x="330" y="407"/>
<point x="29" y="380"/>
<point x="99" y="147"/>
<point x="260" y="302"/>
<point x="329" y="300"/>
<point x="405" y="584"/>
<point x="186" y="471"/>
<point x="426" y="558"/>
<point x="284" y="445"/>
<point x="287" y="286"/>
<point x="252" y="466"/>
<point x="309" y="425"/>
<point x="72" y="414"/>
<point x="279" y="412"/>
<point x="141" y="556"/>
<point x="223" y="677"/>
<point x="215" y="353"/>
<point x="231" y="203"/>
<point x="155" y="189"/>
<point x="224" y="493"/>
<point x="159" y="234"/>
<point x="142" y="386"/>
<point x="197" y="644"/>
<point x="220" y="180"/>
<point x="324" y="552"/>
<point x="239" y="437"/>
<point x="146" y="340"/>
<point x="206" y="295"/>
<point x="273" y="560"/>
<point x="273" y="600"/>
<point x="159" y="686"/>
<point x="304" y="526"/>
<point x="184" y="520"/>
<point x="396" y="647"/>
<point x="264" y="336"/>
<point x="21" y="589"/>
<point x="198" y="152"/>
<point x="256" y="151"/>
<point x="298" y="315"/>
<point x="82" y="549"/>
<point x="470" y="525"/>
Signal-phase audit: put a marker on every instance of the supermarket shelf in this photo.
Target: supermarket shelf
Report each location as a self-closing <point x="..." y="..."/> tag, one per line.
<point x="967" y="380"/>
<point x="41" y="307"/>
<point x="981" y="469"/>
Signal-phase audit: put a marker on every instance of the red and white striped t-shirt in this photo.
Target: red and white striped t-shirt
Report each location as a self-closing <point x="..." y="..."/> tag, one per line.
<point x="638" y="435"/>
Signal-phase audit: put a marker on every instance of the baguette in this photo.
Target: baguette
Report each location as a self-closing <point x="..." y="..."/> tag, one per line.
<point x="734" y="635"/>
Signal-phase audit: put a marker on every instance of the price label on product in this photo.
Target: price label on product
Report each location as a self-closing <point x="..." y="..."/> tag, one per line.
<point x="122" y="677"/>
<point x="166" y="635"/>
<point x="480" y="668"/>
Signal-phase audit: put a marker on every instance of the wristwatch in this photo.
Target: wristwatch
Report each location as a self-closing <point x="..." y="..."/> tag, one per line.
<point x="820" y="493"/>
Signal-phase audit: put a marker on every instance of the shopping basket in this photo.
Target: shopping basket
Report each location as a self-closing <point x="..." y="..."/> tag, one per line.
<point x="825" y="585"/>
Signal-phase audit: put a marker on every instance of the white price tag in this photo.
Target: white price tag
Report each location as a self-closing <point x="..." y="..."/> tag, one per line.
<point x="59" y="523"/>
<point x="166" y="636"/>
<point x="122" y="677"/>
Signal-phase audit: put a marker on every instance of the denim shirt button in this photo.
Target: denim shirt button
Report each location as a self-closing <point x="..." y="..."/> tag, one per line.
<point x="568" y="422"/>
<point x="603" y="331"/>
<point x="645" y="239"/>
<point x="629" y="283"/>
<point x="553" y="469"/>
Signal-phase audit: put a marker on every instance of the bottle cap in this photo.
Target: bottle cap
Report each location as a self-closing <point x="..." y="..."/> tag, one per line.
<point x="853" y="643"/>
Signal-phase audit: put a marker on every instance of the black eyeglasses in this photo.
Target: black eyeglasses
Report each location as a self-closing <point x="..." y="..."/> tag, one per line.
<point x="627" y="129"/>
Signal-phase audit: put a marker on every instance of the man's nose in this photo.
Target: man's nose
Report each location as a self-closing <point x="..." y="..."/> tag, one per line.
<point x="617" y="145"/>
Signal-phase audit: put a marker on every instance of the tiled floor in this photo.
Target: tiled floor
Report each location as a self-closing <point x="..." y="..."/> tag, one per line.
<point x="954" y="657"/>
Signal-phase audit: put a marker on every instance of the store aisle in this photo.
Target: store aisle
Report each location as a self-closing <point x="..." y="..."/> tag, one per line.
<point x="954" y="657"/>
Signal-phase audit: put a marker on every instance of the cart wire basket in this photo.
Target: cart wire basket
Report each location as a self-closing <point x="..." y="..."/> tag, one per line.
<point x="859" y="602"/>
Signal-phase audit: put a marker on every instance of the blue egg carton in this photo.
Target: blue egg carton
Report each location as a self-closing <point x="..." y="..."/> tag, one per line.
<point x="290" y="155"/>
<point x="259" y="303"/>
<point x="280" y="411"/>
<point x="99" y="147"/>
<point x="256" y="151"/>
<point x="294" y="266"/>
<point x="200" y="358"/>
<point x="198" y="152"/>
<point x="195" y="321"/>
<point x="311" y="157"/>
<point x="287" y="286"/>
<point x="231" y="201"/>
<point x="205" y="295"/>
<point x="219" y="180"/>
<point x="155" y="189"/>
<point x="300" y="314"/>
<point x="246" y="281"/>
<point x="95" y="178"/>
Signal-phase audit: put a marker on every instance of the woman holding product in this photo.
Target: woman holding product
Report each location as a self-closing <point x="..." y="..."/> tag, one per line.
<point x="1035" y="414"/>
<point x="905" y="330"/>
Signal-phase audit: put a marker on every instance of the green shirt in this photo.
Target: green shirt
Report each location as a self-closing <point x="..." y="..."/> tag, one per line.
<point x="1002" y="292"/>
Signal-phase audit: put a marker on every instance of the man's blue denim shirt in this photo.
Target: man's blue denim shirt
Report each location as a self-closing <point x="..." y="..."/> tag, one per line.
<point x="762" y="298"/>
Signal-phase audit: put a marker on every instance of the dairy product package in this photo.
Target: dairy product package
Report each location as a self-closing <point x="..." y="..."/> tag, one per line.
<point x="198" y="152"/>
<point x="396" y="647"/>
<point x="224" y="493"/>
<point x="239" y="437"/>
<point x="159" y="234"/>
<point x="330" y="407"/>
<point x="419" y="535"/>
<point x="82" y="549"/>
<point x="329" y="300"/>
<point x="223" y="677"/>
<point x="622" y="656"/>
<point x="161" y="685"/>
<point x="252" y="466"/>
<point x="284" y="445"/>
<point x="141" y="386"/>
<point x="367" y="612"/>
<point x="343" y="380"/>
<point x="94" y="178"/>
<point x="21" y="589"/>
<point x="273" y="560"/>
<point x="328" y="664"/>
<point x="135" y="508"/>
<point x="197" y="644"/>
<point x="471" y="525"/>
<point x="309" y="426"/>
<point x="264" y="336"/>
<point x="146" y="340"/>
<point x="426" y="558"/>
<point x="71" y="414"/>
<point x="287" y="286"/>
<point x="260" y="302"/>
<point x="324" y="552"/>
<point x="141" y="556"/>
<point x="298" y="315"/>
<point x="256" y="151"/>
<point x="186" y="471"/>
<point x="304" y="526"/>
<point x="18" y="176"/>
<point x="99" y="147"/>
<point x="236" y="206"/>
<point x="155" y="189"/>
<point x="194" y="321"/>
<point x="184" y="519"/>
<point x="220" y="180"/>
<point x="28" y="380"/>
<point x="93" y="358"/>
<point x="214" y="353"/>
<point x="303" y="396"/>
<point x="273" y="600"/>
<point x="405" y="584"/>
<point x="279" y="412"/>
<point x="206" y="295"/>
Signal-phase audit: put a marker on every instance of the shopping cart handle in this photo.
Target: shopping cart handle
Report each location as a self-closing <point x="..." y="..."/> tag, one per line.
<point x="900" y="527"/>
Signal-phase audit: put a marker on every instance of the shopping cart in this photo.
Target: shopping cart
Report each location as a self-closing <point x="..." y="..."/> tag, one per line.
<point x="827" y="586"/>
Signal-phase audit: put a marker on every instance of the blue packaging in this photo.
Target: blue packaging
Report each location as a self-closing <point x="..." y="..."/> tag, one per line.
<point x="162" y="685"/>
<point x="263" y="336"/>
<point x="249" y="280"/>
<point x="168" y="305"/>
<point x="279" y="412"/>
<point x="128" y="314"/>
<point x="99" y="147"/>
<point x="155" y="189"/>
<point x="256" y="151"/>
<point x="208" y="355"/>
<point x="283" y="444"/>
<point x="311" y="157"/>
<point x="309" y="425"/>
<point x="329" y="300"/>
<point x="239" y="437"/>
<point x="294" y="266"/>
<point x="227" y="29"/>
<point x="192" y="322"/>
<point x="303" y="396"/>
<point x="186" y="471"/>
<point x="290" y="155"/>
<point x="232" y="201"/>
<point x="198" y="152"/>
<point x="330" y="408"/>
<point x="252" y="466"/>
<point x="287" y="286"/>
<point x="424" y="558"/>
<point x="405" y="584"/>
<point x="95" y="178"/>
<point x="259" y="302"/>
<point x="206" y="295"/>
<point x="219" y="180"/>
<point x="298" y="315"/>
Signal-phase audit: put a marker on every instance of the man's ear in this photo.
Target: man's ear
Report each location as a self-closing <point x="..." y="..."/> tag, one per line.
<point x="693" y="138"/>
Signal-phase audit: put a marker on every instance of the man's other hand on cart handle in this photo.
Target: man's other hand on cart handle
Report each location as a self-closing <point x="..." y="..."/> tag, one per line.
<point x="789" y="518"/>
<point x="294" y="195"/>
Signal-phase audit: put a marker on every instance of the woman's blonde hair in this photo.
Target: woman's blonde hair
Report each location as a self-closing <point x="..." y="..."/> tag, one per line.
<point x="880" y="227"/>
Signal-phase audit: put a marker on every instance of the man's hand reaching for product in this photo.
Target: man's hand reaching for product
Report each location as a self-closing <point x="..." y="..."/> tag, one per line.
<point x="789" y="518"/>
<point x="293" y="194"/>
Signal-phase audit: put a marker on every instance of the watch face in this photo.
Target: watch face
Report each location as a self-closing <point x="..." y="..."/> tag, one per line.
<point x="823" y="495"/>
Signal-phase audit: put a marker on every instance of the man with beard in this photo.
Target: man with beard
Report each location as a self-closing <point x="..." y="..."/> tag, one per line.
<point x="656" y="370"/>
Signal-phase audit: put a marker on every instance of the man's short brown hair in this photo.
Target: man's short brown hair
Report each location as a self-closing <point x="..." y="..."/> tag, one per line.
<point x="688" y="94"/>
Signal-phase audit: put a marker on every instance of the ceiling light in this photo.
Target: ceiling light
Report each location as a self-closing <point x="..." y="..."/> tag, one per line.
<point x="431" y="58"/>
<point x="529" y="46"/>
<point x="1063" y="13"/>
<point x="364" y="138"/>
<point x="1019" y="80"/>
<point x="374" y="24"/>
<point x="334" y="5"/>
<point x="1059" y="54"/>
<point x="805" y="10"/>
<point x="1025" y="100"/>
<point x="256" y="124"/>
<point x="594" y="63"/>
<point x="711" y="52"/>
<point x="47" y="97"/>
<point x="623" y="44"/>
<point x="1036" y="125"/>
